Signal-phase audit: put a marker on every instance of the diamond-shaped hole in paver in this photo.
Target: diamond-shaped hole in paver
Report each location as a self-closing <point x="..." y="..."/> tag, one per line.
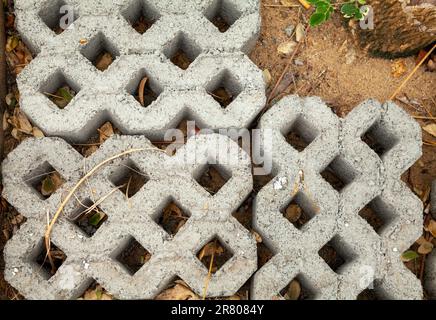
<point x="58" y="16"/>
<point x="378" y="214"/>
<point x="151" y="90"/>
<point x="45" y="180"/>
<point x="223" y="14"/>
<point x="141" y="15"/>
<point x="132" y="255"/>
<point x="336" y="254"/>
<point x="43" y="264"/>
<point x="212" y="177"/>
<point x="129" y="178"/>
<point x="339" y="174"/>
<point x="95" y="291"/>
<point x="182" y="51"/>
<point x="172" y="217"/>
<point x="59" y="89"/>
<point x="188" y="127"/>
<point x="379" y="139"/>
<point x="224" y="88"/>
<point x="300" y="210"/>
<point x="101" y="52"/>
<point x="88" y="217"/>
<point x="298" y="289"/>
<point x="368" y="294"/>
<point x="300" y="134"/>
<point x="221" y="254"/>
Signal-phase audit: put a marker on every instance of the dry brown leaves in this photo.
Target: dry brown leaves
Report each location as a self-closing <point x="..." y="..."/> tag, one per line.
<point x="18" y="55"/>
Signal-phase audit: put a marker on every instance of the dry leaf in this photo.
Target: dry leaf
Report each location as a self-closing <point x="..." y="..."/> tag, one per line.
<point x="431" y="129"/>
<point x="37" y="133"/>
<point x="286" y="48"/>
<point x="106" y="131"/>
<point x="12" y="43"/>
<point x="267" y="78"/>
<point x="97" y="294"/>
<point x="141" y="90"/>
<point x="210" y="249"/>
<point x="293" y="213"/>
<point x="104" y="61"/>
<point x="425" y="248"/>
<point x="178" y="292"/>
<point x="300" y="32"/>
<point x="398" y="68"/>
<point x="432" y="228"/>
<point x="294" y="291"/>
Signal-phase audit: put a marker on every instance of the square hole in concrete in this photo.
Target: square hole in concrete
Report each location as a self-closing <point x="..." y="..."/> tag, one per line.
<point x="216" y="249"/>
<point x="100" y="51"/>
<point x="129" y="178"/>
<point x="379" y="139"/>
<point x="378" y="215"/>
<point x="88" y="217"/>
<point x="144" y="89"/>
<point x="58" y="16"/>
<point x="172" y="217"/>
<point x="339" y="174"/>
<point x="141" y="15"/>
<point x="48" y="266"/>
<point x="300" y="210"/>
<point x="212" y="178"/>
<point x="300" y="134"/>
<point x="45" y="180"/>
<point x="60" y="89"/>
<point x="132" y="256"/>
<point x="182" y="51"/>
<point x="223" y="14"/>
<point x="224" y="88"/>
<point x="336" y="254"/>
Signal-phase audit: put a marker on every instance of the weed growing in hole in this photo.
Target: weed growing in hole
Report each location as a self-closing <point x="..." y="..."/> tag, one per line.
<point x="353" y="9"/>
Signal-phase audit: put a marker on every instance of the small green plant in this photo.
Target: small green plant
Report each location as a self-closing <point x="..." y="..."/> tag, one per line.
<point x="324" y="8"/>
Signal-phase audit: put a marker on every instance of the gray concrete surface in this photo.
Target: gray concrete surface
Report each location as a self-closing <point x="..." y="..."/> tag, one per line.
<point x="94" y="258"/>
<point x="370" y="256"/>
<point x="105" y="25"/>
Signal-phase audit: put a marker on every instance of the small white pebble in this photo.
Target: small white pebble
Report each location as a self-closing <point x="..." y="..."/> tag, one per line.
<point x="85" y="265"/>
<point x="395" y="250"/>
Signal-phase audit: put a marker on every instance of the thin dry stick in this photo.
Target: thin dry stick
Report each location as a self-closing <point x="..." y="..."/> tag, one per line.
<point x="288" y="65"/>
<point x="411" y="74"/>
<point x="141" y="90"/>
<point x="74" y="189"/>
<point x="209" y="275"/>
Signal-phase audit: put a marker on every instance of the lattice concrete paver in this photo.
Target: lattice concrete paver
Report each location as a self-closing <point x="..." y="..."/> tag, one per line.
<point x="109" y="96"/>
<point x="368" y="255"/>
<point x="94" y="258"/>
<point x="217" y="61"/>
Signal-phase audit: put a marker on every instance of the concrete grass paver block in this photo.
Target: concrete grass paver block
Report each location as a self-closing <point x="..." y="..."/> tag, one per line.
<point x="35" y="19"/>
<point x="94" y="257"/>
<point x="369" y="256"/>
<point x="109" y="96"/>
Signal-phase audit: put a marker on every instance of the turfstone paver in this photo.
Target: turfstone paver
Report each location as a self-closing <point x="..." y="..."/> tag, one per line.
<point x="217" y="57"/>
<point x="369" y="178"/>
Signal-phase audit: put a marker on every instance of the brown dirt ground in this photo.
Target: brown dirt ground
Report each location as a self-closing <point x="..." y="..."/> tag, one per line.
<point x="335" y="69"/>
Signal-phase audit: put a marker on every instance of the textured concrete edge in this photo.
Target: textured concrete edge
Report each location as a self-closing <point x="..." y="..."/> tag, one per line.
<point x="93" y="258"/>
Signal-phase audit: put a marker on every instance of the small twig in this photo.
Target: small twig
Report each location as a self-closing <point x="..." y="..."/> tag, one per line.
<point x="141" y="90"/>
<point x="76" y="187"/>
<point x="411" y="74"/>
<point x="287" y="67"/>
<point x="209" y="275"/>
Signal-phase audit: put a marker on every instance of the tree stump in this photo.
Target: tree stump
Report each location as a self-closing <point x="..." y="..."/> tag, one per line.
<point x="401" y="27"/>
